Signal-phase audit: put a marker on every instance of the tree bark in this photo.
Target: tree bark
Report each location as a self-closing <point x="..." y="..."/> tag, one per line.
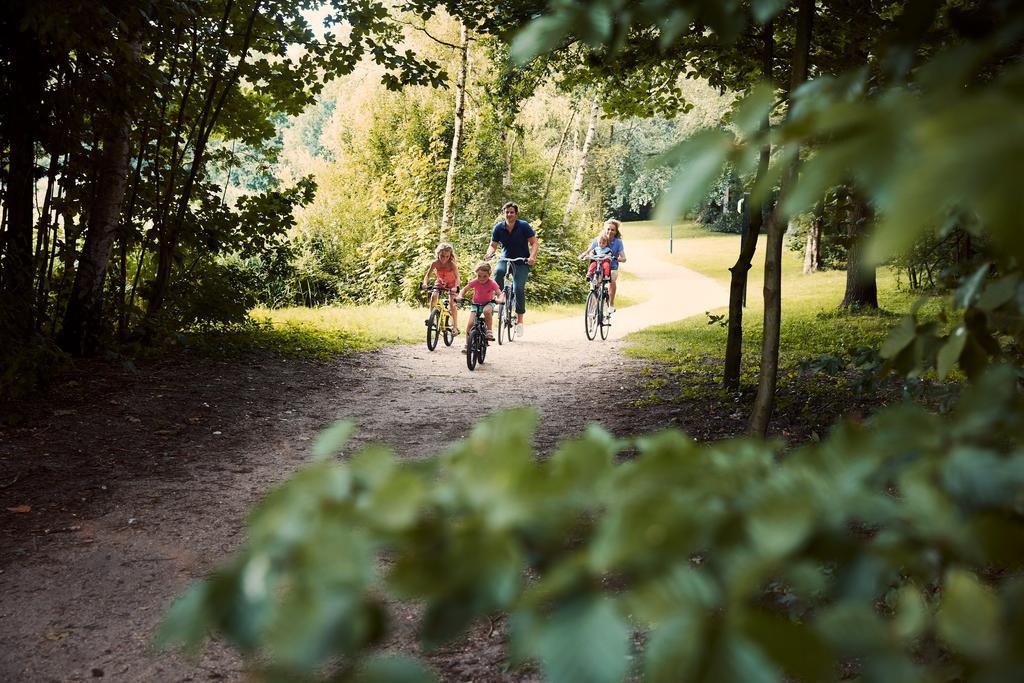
<point x="79" y="333"/>
<point x="460" y="112"/>
<point x="27" y="77"/>
<point x="748" y="244"/>
<point x="581" y="169"/>
<point x="509" y="142"/>
<point x="764" y="402"/>
<point x="812" y="249"/>
<point x="861" y="287"/>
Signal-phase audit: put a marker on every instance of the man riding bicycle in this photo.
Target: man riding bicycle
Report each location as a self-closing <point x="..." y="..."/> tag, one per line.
<point x="517" y="240"/>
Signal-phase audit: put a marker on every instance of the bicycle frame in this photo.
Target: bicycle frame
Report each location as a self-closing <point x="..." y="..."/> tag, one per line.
<point x="476" y="343"/>
<point x="439" y="323"/>
<point x="595" y="315"/>
<point x="507" y="318"/>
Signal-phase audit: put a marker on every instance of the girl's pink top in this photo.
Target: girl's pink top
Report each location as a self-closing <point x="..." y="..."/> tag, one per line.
<point x="482" y="290"/>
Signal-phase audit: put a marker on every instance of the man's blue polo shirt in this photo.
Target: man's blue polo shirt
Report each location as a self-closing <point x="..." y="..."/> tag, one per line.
<point x="514" y="244"/>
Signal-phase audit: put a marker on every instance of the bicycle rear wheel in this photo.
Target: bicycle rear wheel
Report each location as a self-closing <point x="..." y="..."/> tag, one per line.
<point x="433" y="329"/>
<point x="602" y="314"/>
<point x="471" y="350"/>
<point x="590" y="314"/>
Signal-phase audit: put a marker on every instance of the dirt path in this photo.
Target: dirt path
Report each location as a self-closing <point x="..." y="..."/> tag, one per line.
<point x="138" y="483"/>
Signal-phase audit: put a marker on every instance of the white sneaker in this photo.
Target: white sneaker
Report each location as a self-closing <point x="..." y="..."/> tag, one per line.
<point x="611" y="309"/>
<point x="519" y="330"/>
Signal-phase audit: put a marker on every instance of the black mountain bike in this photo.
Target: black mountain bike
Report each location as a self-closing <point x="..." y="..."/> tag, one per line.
<point x="595" y="315"/>
<point x="507" y="317"/>
<point x="439" y="323"/>
<point x="476" y="346"/>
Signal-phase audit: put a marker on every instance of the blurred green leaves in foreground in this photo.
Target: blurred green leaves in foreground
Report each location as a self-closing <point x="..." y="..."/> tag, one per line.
<point x="891" y="550"/>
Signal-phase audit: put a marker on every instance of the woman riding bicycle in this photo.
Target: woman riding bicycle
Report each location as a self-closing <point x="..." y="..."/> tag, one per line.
<point x="610" y="230"/>
<point x="447" y="273"/>
<point x="517" y="240"/>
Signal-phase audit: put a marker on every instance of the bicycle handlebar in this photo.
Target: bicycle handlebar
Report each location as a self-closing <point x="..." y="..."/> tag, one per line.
<point x="591" y="257"/>
<point x="513" y="260"/>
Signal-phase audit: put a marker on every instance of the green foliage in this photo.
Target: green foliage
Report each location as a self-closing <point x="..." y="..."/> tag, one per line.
<point x="371" y="234"/>
<point x="870" y="549"/>
<point x="985" y="324"/>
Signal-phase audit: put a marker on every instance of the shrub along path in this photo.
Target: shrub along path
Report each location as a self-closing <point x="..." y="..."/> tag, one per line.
<point x="120" y="486"/>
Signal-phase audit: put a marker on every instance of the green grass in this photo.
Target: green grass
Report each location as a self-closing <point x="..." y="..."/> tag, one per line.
<point x="812" y="323"/>
<point x="650" y="230"/>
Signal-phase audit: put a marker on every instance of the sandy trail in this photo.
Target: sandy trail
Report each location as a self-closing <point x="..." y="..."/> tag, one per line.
<point x="84" y="603"/>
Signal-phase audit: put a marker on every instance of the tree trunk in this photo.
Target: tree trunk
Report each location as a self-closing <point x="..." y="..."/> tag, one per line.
<point x="861" y="288"/>
<point x="581" y="169"/>
<point x="748" y="244"/>
<point x="79" y="333"/>
<point x="460" y="112"/>
<point x="554" y="164"/>
<point x="510" y="143"/>
<point x="812" y="250"/>
<point x="764" y="402"/>
<point x="27" y="76"/>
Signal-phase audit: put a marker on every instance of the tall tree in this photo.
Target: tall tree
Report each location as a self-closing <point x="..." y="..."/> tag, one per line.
<point x="581" y="166"/>
<point x="764" y="402"/>
<point x="861" y="285"/>
<point x="26" y="62"/>
<point x="78" y="334"/>
<point x="812" y="249"/>
<point x="460" y="113"/>
<point x="748" y="244"/>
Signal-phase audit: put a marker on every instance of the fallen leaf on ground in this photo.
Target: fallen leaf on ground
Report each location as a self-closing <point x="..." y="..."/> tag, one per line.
<point x="20" y="508"/>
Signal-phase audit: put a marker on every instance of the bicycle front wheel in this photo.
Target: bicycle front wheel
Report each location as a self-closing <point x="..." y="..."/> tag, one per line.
<point x="481" y="352"/>
<point x="590" y="314"/>
<point x="501" y="323"/>
<point x="449" y="334"/>
<point x="471" y="350"/>
<point x="510" y="318"/>
<point x="433" y="329"/>
<point x="606" y="323"/>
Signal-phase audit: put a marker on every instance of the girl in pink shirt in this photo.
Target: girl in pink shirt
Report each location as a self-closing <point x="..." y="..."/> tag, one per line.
<point x="485" y="292"/>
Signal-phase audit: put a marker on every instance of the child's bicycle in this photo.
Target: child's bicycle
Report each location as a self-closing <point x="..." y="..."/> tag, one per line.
<point x="507" y="317"/>
<point x="476" y="346"/>
<point x="439" y="322"/>
<point x="595" y="315"/>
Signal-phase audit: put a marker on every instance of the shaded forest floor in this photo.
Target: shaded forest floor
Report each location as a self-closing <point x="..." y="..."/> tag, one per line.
<point x="120" y="485"/>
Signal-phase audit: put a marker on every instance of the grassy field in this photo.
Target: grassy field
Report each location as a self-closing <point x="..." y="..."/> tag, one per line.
<point x="812" y="323"/>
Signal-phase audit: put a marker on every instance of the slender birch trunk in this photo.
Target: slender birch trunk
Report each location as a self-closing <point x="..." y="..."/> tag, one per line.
<point x="581" y="169"/>
<point x="812" y="250"/>
<point x="460" y="112"/>
<point x="79" y="332"/>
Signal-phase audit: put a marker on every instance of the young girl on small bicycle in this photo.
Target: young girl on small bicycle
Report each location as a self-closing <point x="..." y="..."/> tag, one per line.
<point x="602" y="249"/>
<point x="485" y="292"/>
<point x="446" y="271"/>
